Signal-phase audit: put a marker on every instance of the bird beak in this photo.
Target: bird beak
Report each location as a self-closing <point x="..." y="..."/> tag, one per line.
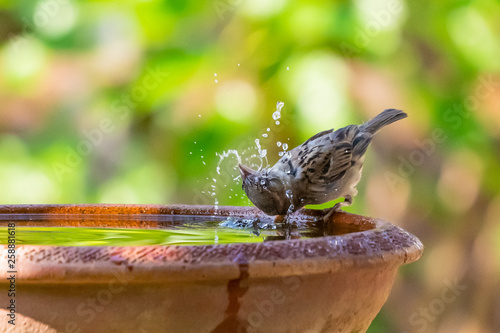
<point x="245" y="171"/>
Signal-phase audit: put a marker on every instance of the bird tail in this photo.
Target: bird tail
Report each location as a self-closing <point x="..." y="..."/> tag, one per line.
<point x="386" y="117"/>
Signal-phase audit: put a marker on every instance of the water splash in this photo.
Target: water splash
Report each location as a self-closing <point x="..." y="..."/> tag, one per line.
<point x="240" y="223"/>
<point x="277" y="113"/>
<point x="254" y="156"/>
<point x="284" y="146"/>
<point x="226" y="154"/>
<point x="262" y="152"/>
<point x="291" y="208"/>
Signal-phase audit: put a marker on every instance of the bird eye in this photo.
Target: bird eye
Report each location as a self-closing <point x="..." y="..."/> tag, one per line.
<point x="262" y="182"/>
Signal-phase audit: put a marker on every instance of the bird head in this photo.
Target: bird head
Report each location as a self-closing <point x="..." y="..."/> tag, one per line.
<point x="266" y="189"/>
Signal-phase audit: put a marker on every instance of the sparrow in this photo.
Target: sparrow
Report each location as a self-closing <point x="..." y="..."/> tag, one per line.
<point x="326" y="167"/>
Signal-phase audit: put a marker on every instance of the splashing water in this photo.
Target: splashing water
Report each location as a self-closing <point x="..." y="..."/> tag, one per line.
<point x="277" y="113"/>
<point x="291" y="208"/>
<point x="226" y="154"/>
<point x="285" y="148"/>
<point x="255" y="157"/>
<point x="262" y="152"/>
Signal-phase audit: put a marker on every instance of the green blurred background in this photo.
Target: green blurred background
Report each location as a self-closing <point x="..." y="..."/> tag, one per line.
<point x="133" y="101"/>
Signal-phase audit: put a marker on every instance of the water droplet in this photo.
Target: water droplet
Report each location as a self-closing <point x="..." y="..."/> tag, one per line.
<point x="264" y="135"/>
<point x="277" y="122"/>
<point x="277" y="113"/>
<point x="201" y="156"/>
<point x="278" y="143"/>
<point x="190" y="153"/>
<point x="215" y="180"/>
<point x="288" y="68"/>
<point x="280" y="153"/>
<point x="204" y="163"/>
<point x="238" y="65"/>
<point x="215" y="74"/>
<point x="285" y="146"/>
<point x="268" y="129"/>
<point x="199" y="115"/>
<point x="262" y="152"/>
<point x="224" y="155"/>
<point x="216" y="81"/>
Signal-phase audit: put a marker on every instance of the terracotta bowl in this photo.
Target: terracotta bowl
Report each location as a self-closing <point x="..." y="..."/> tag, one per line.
<point x="324" y="284"/>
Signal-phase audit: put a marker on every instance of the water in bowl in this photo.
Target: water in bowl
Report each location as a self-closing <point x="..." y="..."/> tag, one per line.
<point x="138" y="230"/>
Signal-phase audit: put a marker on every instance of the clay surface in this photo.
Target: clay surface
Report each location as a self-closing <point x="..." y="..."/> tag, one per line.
<point x="325" y="284"/>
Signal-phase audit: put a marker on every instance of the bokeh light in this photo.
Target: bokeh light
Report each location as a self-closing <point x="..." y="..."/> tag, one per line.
<point x="136" y="101"/>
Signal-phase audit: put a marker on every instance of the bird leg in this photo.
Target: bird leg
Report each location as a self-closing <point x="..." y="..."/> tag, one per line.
<point x="337" y="208"/>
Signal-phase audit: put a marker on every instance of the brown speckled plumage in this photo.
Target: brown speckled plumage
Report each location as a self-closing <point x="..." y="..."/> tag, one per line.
<point x="325" y="167"/>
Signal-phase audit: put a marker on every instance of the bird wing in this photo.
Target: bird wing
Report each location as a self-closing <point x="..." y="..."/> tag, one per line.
<point x="322" y="159"/>
<point x="330" y="160"/>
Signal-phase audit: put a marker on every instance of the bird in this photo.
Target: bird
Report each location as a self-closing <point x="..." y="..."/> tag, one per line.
<point x="325" y="167"/>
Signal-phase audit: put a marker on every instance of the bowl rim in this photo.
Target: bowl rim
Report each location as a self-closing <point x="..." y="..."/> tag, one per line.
<point x="384" y="245"/>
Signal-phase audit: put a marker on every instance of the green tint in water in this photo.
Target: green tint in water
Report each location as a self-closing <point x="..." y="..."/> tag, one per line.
<point x="68" y="236"/>
<point x="154" y="230"/>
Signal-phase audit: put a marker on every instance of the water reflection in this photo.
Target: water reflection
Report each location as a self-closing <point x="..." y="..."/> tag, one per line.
<point x="137" y="230"/>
